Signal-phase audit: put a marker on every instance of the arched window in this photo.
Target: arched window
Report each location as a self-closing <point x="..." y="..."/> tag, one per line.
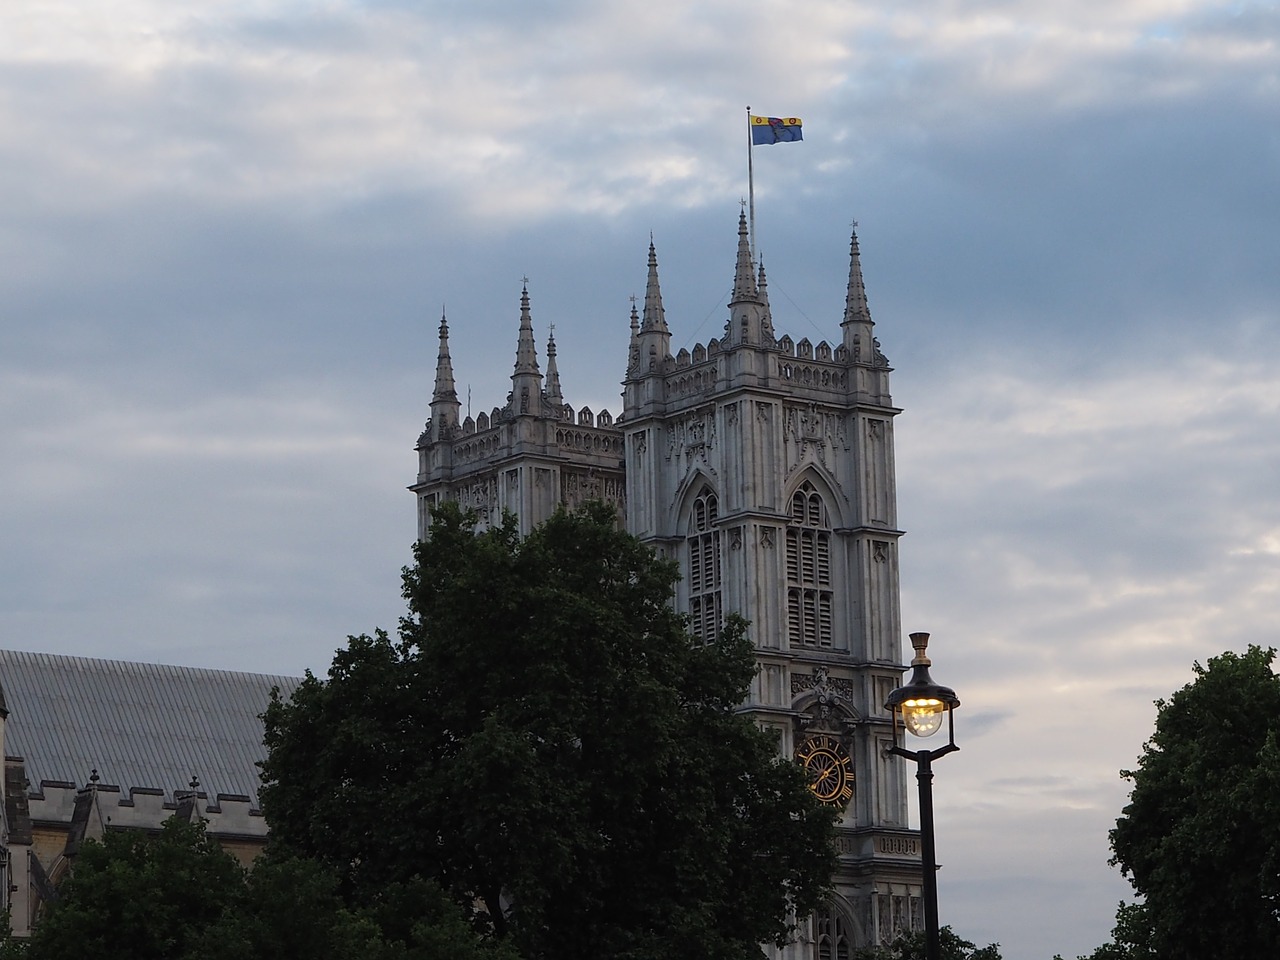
<point x="809" y="595"/>
<point x="831" y="934"/>
<point x="704" y="567"/>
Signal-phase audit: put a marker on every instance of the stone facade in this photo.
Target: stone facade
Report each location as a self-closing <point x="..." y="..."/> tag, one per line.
<point x="765" y="466"/>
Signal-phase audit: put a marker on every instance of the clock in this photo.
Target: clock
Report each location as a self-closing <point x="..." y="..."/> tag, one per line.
<point x="830" y="769"/>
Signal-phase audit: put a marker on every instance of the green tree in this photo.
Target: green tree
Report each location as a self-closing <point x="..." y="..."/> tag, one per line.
<point x="911" y="946"/>
<point x="1200" y="837"/>
<point x="134" y="896"/>
<point x="547" y="742"/>
<point x="179" y="896"/>
<point x="291" y="910"/>
<point x="1130" y="938"/>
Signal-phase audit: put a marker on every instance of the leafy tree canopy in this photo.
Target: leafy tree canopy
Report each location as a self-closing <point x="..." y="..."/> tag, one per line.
<point x="179" y="896"/>
<point x="135" y="896"/>
<point x="547" y="742"/>
<point x="1130" y="938"/>
<point x="1200" y="836"/>
<point x="912" y="946"/>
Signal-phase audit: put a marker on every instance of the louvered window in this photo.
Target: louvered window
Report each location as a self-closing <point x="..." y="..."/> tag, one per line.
<point x="809" y="594"/>
<point x="704" y="567"/>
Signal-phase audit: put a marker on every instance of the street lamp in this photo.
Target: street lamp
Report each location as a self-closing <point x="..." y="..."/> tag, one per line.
<point x="921" y="705"/>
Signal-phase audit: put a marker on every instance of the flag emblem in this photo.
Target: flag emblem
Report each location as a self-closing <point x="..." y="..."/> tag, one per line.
<point x="775" y="130"/>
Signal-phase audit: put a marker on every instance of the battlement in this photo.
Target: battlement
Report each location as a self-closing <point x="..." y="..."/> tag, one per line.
<point x="146" y="808"/>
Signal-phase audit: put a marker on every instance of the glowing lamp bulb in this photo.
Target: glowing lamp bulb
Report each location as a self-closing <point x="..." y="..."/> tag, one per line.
<point x="923" y="717"/>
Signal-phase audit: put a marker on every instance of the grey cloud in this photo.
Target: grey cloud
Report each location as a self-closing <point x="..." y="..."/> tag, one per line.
<point x="222" y="274"/>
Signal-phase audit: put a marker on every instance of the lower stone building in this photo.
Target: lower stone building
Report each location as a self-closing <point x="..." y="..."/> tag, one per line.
<point x="97" y="745"/>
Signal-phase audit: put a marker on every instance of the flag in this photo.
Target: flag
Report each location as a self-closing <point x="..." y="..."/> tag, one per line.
<point x="775" y="129"/>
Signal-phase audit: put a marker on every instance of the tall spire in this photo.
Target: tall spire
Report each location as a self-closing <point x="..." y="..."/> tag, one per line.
<point x="445" y="387"/>
<point x="748" y="322"/>
<point x="653" y="339"/>
<point x="855" y="301"/>
<point x="655" y="318"/>
<point x="633" y="348"/>
<point x="554" y="397"/>
<point x="526" y="379"/>
<point x="762" y="288"/>
<point x="526" y="350"/>
<point x="444" y="399"/>
<point x="744" y="283"/>
<point x="857" y="327"/>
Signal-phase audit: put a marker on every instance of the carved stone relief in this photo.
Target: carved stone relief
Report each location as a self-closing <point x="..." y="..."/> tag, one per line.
<point x="810" y="432"/>
<point x="579" y="486"/>
<point x="480" y="495"/>
<point x="823" y="684"/>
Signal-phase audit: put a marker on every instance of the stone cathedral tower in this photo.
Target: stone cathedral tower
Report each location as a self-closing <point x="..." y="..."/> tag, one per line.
<point x="765" y="467"/>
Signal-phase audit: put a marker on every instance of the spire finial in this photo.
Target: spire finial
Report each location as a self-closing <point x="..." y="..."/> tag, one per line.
<point x="762" y="291"/>
<point x="526" y="379"/>
<point x="554" y="397"/>
<point x="445" y="391"/>
<point x="655" y="317"/>
<point x="855" y="301"/>
<point x="744" y="282"/>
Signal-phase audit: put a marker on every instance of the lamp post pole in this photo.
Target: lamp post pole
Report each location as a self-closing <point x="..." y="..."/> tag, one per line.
<point x="919" y="705"/>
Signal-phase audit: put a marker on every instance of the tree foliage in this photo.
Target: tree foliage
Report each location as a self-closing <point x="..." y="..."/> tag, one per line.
<point x="142" y="897"/>
<point x="911" y="945"/>
<point x="547" y="742"/>
<point x="1200" y="836"/>
<point x="179" y="896"/>
<point x="1130" y="938"/>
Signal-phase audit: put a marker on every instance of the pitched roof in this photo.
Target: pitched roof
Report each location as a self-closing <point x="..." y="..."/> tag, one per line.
<point x="140" y="725"/>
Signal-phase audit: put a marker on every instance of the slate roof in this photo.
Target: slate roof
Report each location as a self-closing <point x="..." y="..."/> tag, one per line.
<point x="140" y="725"/>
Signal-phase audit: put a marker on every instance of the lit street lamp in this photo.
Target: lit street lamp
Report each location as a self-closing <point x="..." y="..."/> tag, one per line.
<point x="920" y="706"/>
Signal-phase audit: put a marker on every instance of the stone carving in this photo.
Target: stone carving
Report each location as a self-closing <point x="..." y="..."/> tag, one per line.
<point x="579" y="486"/>
<point x="880" y="359"/>
<point x="831" y="707"/>
<point x="480" y="495"/>
<point x="827" y="688"/>
<point x="693" y="436"/>
<point x="811" y="430"/>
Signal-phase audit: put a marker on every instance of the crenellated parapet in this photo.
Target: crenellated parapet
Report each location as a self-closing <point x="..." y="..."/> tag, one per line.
<point x="48" y="826"/>
<point x="228" y="817"/>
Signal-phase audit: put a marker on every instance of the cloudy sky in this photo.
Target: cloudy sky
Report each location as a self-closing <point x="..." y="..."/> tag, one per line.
<point x="228" y="229"/>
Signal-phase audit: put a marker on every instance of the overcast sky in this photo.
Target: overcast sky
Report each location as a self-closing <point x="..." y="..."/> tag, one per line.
<point x="228" y="229"/>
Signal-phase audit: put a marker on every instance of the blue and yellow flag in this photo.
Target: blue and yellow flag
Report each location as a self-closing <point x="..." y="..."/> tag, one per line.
<point x="775" y="129"/>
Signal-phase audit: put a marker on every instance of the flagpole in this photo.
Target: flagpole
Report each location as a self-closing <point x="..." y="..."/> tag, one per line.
<point x="751" y="186"/>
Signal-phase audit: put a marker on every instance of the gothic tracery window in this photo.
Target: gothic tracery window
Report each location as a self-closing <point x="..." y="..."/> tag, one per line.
<point x="831" y="934"/>
<point x="809" y="594"/>
<point x="704" y="567"/>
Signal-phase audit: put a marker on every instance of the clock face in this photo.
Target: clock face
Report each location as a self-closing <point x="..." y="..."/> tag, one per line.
<point x="830" y="769"/>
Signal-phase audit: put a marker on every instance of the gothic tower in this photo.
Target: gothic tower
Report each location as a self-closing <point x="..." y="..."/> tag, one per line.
<point x="528" y="456"/>
<point x="765" y="466"/>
